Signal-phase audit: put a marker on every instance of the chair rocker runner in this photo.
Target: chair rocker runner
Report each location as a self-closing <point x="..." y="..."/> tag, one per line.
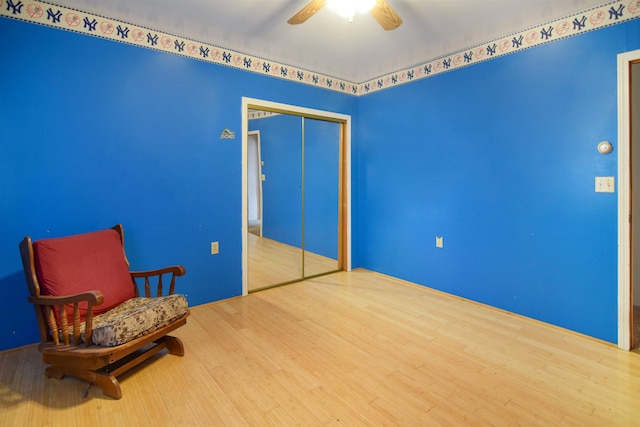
<point x="94" y="324"/>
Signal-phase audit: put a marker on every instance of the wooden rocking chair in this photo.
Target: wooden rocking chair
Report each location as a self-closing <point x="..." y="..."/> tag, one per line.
<point x="93" y="323"/>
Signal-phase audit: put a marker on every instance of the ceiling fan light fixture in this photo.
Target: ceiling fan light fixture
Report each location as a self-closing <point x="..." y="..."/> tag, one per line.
<point x="379" y="9"/>
<point x="365" y="6"/>
<point x="348" y="8"/>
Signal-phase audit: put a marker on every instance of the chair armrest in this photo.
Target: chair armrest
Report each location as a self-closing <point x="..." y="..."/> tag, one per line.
<point x="93" y="297"/>
<point x="60" y="327"/>
<point x="174" y="271"/>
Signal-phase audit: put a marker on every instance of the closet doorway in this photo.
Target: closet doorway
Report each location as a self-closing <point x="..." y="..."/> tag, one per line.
<point x="304" y="172"/>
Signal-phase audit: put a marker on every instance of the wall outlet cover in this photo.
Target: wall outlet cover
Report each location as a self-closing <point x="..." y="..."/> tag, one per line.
<point x="605" y="184"/>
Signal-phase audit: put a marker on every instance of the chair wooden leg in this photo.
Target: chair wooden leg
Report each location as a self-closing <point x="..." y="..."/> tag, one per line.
<point x="108" y="383"/>
<point x="54" y="372"/>
<point x="174" y="345"/>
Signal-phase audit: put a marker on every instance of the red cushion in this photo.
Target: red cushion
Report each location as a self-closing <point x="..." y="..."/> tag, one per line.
<point x="84" y="262"/>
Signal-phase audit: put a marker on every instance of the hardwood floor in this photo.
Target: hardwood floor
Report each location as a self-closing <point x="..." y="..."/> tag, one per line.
<point x="635" y="340"/>
<point x="350" y="349"/>
<point x="272" y="262"/>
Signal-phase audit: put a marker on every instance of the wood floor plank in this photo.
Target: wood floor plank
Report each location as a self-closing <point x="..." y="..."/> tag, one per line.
<point x="356" y="349"/>
<point x="271" y="262"/>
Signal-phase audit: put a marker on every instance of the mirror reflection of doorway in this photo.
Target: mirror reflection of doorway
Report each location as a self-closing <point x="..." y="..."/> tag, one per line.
<point x="254" y="183"/>
<point x="299" y="170"/>
<point x="276" y="257"/>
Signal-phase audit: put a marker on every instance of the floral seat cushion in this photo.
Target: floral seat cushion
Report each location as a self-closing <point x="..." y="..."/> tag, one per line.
<point x="135" y="318"/>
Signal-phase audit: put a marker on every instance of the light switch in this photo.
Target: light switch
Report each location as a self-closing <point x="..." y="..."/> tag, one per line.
<point x="605" y="184"/>
<point x="439" y="242"/>
<point x="214" y="248"/>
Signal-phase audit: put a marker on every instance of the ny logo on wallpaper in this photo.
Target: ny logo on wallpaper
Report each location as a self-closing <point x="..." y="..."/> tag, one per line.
<point x="15" y="8"/>
<point x="616" y="13"/>
<point x="90" y="25"/>
<point x="123" y="32"/>
<point x="579" y="25"/>
<point x="517" y="42"/>
<point x="152" y="40"/>
<point x="54" y="17"/>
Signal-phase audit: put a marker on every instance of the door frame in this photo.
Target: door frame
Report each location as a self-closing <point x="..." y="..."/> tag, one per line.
<point x="344" y="222"/>
<point x="624" y="199"/>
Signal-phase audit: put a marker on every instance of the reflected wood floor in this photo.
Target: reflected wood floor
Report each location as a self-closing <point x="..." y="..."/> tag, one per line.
<point x="271" y="262"/>
<point x="636" y="328"/>
<point x="349" y="349"/>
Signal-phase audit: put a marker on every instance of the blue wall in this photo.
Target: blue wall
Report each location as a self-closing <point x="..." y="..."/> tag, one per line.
<point x="95" y="133"/>
<point x="499" y="159"/>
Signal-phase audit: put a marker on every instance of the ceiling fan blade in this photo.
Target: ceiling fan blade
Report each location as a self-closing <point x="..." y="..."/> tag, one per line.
<point x="385" y="15"/>
<point x="307" y="12"/>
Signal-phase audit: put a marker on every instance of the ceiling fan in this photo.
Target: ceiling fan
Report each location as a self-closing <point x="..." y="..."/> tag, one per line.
<point x="379" y="9"/>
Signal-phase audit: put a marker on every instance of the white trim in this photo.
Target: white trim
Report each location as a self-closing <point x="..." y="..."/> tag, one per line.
<point x="624" y="199"/>
<point x="259" y="103"/>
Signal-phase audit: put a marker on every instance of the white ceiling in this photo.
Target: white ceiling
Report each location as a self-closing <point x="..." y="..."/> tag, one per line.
<point x="327" y="43"/>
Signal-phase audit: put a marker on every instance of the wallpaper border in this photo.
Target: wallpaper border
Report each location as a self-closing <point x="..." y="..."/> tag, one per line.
<point x="49" y="14"/>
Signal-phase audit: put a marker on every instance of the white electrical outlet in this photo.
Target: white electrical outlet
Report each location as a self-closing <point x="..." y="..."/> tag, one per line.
<point x="214" y="248"/>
